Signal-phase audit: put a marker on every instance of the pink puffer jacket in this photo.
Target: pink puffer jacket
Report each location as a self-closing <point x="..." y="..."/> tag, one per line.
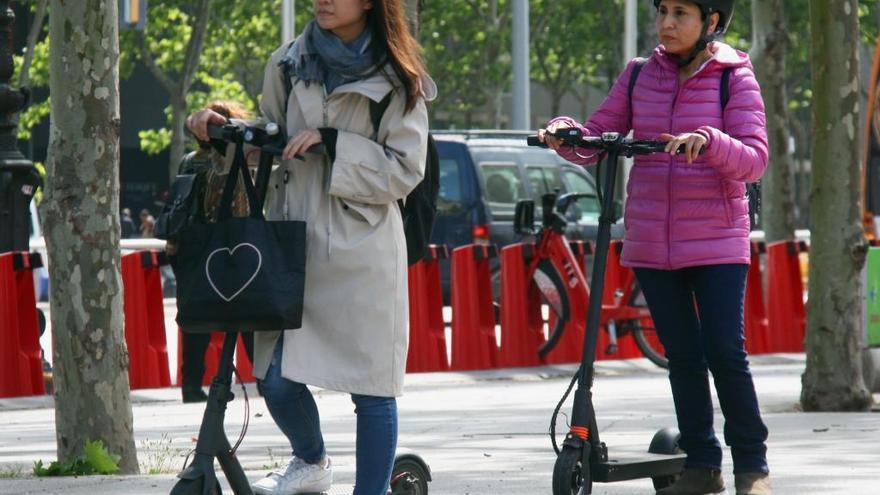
<point x="679" y="214"/>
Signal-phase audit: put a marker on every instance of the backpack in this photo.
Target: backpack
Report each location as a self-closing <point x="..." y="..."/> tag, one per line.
<point x="753" y="189"/>
<point x="420" y="206"/>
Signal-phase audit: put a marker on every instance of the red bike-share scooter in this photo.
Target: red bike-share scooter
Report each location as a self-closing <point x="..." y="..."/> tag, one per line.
<point x="410" y="474"/>
<point x="583" y="458"/>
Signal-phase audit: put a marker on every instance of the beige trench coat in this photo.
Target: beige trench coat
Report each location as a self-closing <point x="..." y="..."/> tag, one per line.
<point x="354" y="333"/>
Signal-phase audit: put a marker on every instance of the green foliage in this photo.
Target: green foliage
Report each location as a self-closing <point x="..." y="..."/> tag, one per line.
<point x="95" y="460"/>
<point x="467" y="49"/>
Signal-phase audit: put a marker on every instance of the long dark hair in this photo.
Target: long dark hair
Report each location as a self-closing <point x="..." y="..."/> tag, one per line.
<point x="387" y="22"/>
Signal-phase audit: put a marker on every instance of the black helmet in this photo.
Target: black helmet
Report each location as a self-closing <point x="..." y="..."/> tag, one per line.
<point x="723" y="7"/>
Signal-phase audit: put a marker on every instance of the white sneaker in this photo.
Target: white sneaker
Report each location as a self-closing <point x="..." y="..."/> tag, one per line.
<point x="299" y="477"/>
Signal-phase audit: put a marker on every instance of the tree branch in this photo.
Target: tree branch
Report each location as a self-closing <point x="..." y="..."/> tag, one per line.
<point x="36" y="28"/>
<point x="194" y="47"/>
<point x="166" y="82"/>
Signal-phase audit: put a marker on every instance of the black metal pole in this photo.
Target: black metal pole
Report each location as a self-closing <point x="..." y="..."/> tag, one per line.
<point x="18" y="178"/>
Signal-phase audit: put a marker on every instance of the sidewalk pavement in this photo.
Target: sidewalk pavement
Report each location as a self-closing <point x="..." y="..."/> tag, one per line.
<point x="481" y="432"/>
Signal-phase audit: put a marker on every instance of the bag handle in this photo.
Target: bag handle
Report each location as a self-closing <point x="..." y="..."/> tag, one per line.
<point x="239" y="169"/>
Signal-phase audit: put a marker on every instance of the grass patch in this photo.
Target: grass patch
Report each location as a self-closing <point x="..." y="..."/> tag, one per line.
<point x="159" y="456"/>
<point x="274" y="463"/>
<point x="11" y="472"/>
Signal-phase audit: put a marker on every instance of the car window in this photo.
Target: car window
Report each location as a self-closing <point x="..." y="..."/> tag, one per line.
<point x="589" y="207"/>
<point x="544" y="179"/>
<point x="501" y="182"/>
<point x="450" y="196"/>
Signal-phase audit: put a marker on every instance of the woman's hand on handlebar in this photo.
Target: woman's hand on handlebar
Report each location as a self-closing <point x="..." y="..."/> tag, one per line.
<point x="692" y="143"/>
<point x="546" y="135"/>
<point x="300" y="143"/>
<point x="197" y="123"/>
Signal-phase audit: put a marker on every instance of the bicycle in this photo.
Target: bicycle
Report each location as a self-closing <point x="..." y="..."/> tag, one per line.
<point x="583" y="457"/>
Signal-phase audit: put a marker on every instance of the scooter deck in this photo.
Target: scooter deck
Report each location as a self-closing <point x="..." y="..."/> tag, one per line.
<point x="630" y="466"/>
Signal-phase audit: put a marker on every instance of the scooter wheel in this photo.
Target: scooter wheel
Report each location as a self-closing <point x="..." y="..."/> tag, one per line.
<point x="409" y="478"/>
<point x="665" y="441"/>
<point x="194" y="487"/>
<point x="570" y="475"/>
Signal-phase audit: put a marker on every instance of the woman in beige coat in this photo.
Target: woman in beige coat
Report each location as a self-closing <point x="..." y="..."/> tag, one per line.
<point x="354" y="330"/>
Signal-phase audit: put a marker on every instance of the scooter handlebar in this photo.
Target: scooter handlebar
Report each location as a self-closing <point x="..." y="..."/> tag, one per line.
<point x="572" y="136"/>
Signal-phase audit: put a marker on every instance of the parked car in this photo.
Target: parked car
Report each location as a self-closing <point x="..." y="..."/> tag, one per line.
<point x="37" y="243"/>
<point x="482" y="176"/>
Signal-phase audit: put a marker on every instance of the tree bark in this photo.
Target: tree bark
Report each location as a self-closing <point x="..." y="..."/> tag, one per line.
<point x="833" y="379"/>
<point x="81" y="210"/>
<point x="769" y="47"/>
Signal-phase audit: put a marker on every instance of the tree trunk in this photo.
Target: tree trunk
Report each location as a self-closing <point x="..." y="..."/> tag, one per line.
<point x="833" y="379"/>
<point x="413" y="10"/>
<point x="769" y="47"/>
<point x="178" y="138"/>
<point x="81" y="210"/>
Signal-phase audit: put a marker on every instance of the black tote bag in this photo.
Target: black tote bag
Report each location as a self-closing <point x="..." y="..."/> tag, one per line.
<point x="240" y="274"/>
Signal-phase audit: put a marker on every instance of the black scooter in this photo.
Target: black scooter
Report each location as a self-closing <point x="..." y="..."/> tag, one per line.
<point x="583" y="458"/>
<point x="410" y="474"/>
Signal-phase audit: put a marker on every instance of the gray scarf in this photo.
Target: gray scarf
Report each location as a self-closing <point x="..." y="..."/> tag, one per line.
<point x="319" y="56"/>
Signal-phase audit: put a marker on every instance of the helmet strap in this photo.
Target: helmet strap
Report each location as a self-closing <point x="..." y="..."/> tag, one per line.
<point x="701" y="45"/>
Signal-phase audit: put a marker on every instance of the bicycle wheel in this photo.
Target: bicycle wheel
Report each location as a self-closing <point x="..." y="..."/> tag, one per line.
<point x="644" y="333"/>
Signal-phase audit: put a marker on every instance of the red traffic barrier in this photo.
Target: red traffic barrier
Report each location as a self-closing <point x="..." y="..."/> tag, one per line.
<point x="757" y="326"/>
<point x="243" y="365"/>
<point x="474" y="345"/>
<point x="522" y="325"/>
<point x="145" y="320"/>
<point x="21" y="364"/>
<point x="427" y="331"/>
<point x="213" y="351"/>
<point x="785" y="296"/>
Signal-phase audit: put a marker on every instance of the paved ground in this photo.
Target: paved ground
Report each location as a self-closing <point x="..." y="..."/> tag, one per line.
<point x="481" y="432"/>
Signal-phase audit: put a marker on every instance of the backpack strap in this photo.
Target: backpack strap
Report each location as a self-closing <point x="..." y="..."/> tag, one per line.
<point x="633" y="76"/>
<point x="725" y="87"/>
<point x="377" y="110"/>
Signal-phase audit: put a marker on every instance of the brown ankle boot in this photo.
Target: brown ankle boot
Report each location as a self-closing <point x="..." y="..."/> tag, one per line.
<point x="695" y="481"/>
<point x="752" y="484"/>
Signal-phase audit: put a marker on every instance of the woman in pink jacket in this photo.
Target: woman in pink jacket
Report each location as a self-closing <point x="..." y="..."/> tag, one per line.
<point x="687" y="227"/>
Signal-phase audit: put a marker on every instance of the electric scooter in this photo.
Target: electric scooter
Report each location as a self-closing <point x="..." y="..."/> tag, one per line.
<point x="410" y="473"/>
<point x="584" y="458"/>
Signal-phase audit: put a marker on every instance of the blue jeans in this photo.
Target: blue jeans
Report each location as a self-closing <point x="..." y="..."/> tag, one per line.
<point x="698" y="313"/>
<point x="294" y="410"/>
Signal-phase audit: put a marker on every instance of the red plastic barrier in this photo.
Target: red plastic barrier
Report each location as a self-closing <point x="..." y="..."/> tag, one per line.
<point x="756" y="322"/>
<point x="21" y="366"/>
<point x="583" y="251"/>
<point x="522" y="325"/>
<point x="473" y="316"/>
<point x="427" y="331"/>
<point x="785" y="296"/>
<point x="145" y="321"/>
<point x="243" y="364"/>
<point x="212" y="357"/>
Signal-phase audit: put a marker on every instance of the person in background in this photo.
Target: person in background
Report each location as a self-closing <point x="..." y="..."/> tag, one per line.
<point x="205" y="160"/>
<point x="148" y="224"/>
<point x="126" y="224"/>
<point x="687" y="228"/>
